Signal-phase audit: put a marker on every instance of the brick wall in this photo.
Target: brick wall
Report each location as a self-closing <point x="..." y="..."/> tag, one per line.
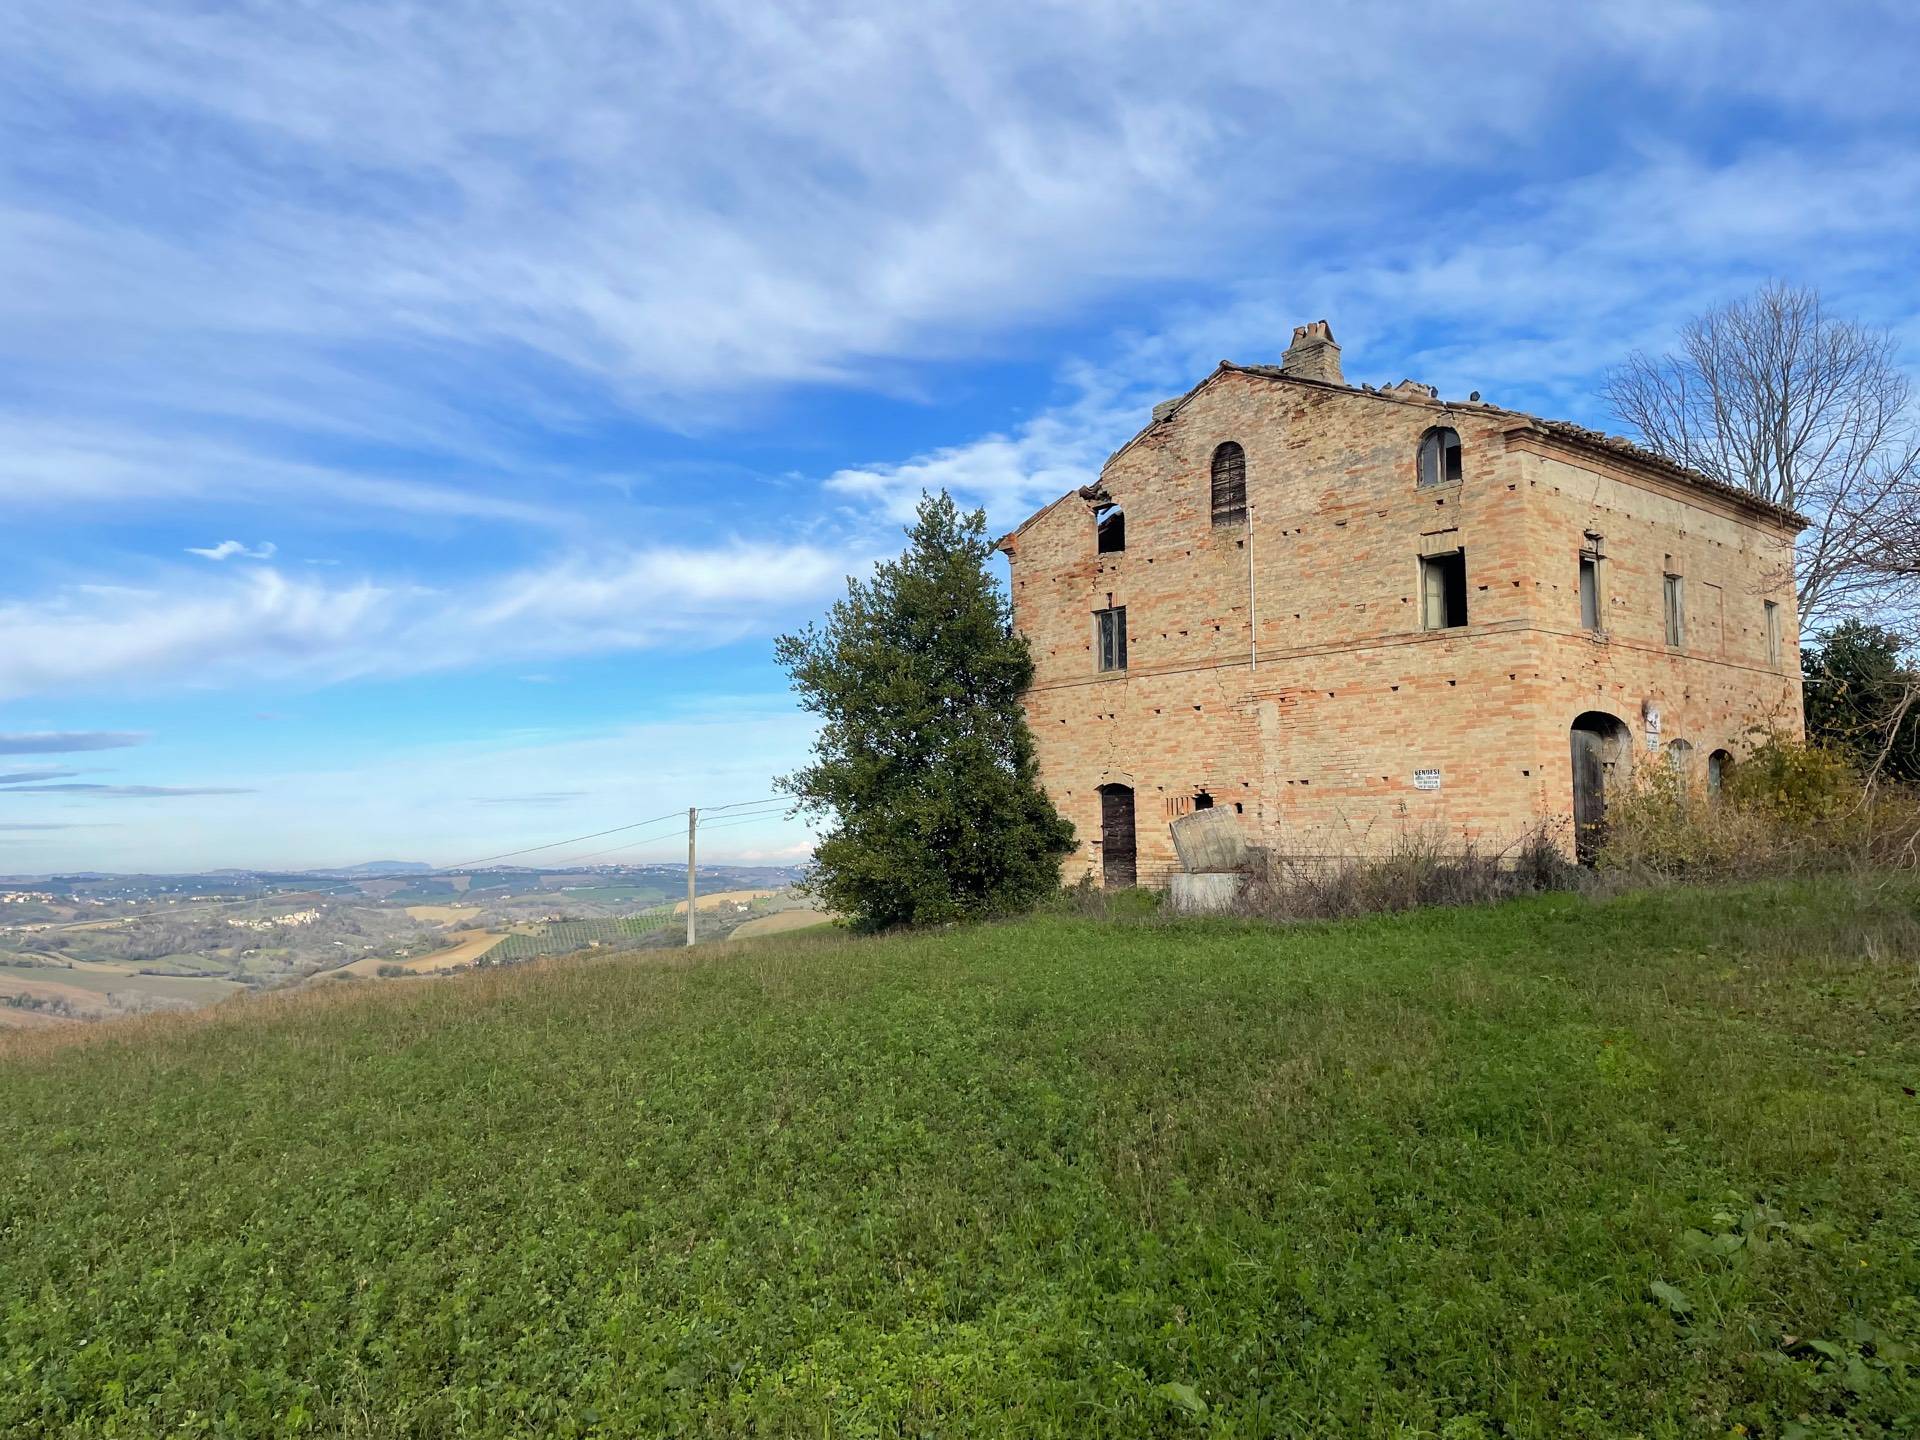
<point x="1319" y="743"/>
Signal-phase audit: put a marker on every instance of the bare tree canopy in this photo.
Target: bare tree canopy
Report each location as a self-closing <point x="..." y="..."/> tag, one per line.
<point x="1774" y="396"/>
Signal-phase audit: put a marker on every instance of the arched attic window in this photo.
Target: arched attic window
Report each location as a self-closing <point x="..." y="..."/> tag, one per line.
<point x="1230" y="484"/>
<point x="1440" y="457"/>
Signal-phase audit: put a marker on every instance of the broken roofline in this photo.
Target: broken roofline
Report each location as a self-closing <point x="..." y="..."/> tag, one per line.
<point x="1564" y="433"/>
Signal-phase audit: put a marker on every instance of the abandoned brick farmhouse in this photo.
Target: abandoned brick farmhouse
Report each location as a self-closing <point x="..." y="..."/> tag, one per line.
<point x="1352" y="613"/>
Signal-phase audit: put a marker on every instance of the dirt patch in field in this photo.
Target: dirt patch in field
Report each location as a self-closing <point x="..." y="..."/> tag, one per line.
<point x="724" y="897"/>
<point x="441" y="912"/>
<point x="470" y="946"/>
<point x="14" y="1019"/>
<point x="779" y="922"/>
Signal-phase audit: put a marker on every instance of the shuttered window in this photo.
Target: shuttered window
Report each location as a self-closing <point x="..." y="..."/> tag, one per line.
<point x="1229" y="485"/>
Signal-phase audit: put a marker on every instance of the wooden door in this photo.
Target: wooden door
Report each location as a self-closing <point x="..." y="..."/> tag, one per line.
<point x="1117" y="850"/>
<point x="1589" y="791"/>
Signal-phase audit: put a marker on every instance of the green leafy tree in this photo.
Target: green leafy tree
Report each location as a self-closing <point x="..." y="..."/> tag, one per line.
<point x="924" y="766"/>
<point x="1860" y="699"/>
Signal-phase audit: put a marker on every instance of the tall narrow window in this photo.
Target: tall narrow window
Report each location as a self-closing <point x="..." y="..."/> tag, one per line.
<point x="1110" y="529"/>
<point x="1589" y="590"/>
<point x="1443" y="590"/>
<point x="1110" y="637"/>
<point x="1676" y="607"/>
<point x="1230" y="485"/>
<point x="1440" y="457"/>
<point x="1773" y="633"/>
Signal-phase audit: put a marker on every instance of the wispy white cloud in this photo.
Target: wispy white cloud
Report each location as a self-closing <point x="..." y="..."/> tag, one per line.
<point x="693" y="754"/>
<point x="1528" y="297"/>
<point x="193" y="629"/>
<point x="664" y="203"/>
<point x="127" y="792"/>
<point x="61" y="742"/>
<point x="227" y="549"/>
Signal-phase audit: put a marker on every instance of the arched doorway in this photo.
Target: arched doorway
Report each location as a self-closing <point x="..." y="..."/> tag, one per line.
<point x="1117" y="847"/>
<point x="1599" y="743"/>
<point x="1718" y="764"/>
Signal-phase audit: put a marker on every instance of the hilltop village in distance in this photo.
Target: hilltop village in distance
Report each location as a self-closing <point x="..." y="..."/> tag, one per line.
<point x="86" y="947"/>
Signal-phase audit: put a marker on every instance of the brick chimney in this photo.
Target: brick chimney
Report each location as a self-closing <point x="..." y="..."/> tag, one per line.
<point x="1313" y="355"/>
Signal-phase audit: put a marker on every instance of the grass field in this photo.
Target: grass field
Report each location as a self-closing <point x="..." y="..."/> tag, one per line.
<point x="1562" y="1168"/>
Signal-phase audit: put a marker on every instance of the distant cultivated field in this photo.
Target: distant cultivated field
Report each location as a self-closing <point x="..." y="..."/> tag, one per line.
<point x="1561" y="1168"/>
<point x="725" y="897"/>
<point x="562" y="937"/>
<point x="16" y="1019"/>
<point x="87" y="986"/>
<point x="468" y="946"/>
<point x="777" y="923"/>
<point x="442" y="912"/>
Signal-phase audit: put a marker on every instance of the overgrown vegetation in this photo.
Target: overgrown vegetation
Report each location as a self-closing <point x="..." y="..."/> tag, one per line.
<point x="1648" y="1166"/>
<point x="1785" y="807"/>
<point x="1417" y="869"/>
<point x="923" y="771"/>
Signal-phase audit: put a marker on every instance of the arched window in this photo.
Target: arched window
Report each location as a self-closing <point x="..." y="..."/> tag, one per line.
<point x="1440" y="457"/>
<point x="1230" y="485"/>
<point x="1680" y="757"/>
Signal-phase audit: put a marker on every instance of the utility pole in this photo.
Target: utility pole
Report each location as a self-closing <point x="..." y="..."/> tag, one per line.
<point x="693" y="823"/>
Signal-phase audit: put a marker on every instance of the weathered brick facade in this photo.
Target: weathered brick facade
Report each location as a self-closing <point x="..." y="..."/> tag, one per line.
<point x="1318" y="744"/>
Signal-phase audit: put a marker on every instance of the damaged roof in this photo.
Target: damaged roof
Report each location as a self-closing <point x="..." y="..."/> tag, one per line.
<point x="1616" y="447"/>
<point x="1625" y="449"/>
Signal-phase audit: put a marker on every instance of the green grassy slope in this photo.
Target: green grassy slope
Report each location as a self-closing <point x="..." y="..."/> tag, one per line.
<point x="1558" y="1168"/>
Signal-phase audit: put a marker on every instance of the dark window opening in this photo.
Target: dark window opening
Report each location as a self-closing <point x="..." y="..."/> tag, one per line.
<point x="1443" y="590"/>
<point x="1718" y="764"/>
<point x="1110" y="529"/>
<point x="1229" y="485"/>
<point x="1203" y="801"/>
<point x="1440" y="457"/>
<point x="1590" y="591"/>
<point x="1110" y="637"/>
<point x="1676" y="608"/>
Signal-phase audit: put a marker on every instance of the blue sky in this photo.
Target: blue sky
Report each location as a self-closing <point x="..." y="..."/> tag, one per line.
<point x="416" y="420"/>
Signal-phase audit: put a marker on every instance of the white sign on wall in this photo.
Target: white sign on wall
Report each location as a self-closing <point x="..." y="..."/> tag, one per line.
<point x="1426" y="779"/>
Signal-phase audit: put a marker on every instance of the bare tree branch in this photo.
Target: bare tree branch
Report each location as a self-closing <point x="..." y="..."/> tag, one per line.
<point x="1774" y="396"/>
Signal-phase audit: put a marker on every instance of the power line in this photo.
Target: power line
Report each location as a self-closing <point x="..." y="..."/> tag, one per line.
<point x="626" y="844"/>
<point x="747" y="814"/>
<point x="742" y="804"/>
<point x="556" y="844"/>
<point x="729" y="824"/>
<point x="773" y="808"/>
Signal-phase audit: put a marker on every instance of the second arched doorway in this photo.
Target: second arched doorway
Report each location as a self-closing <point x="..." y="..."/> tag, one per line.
<point x="1599" y="744"/>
